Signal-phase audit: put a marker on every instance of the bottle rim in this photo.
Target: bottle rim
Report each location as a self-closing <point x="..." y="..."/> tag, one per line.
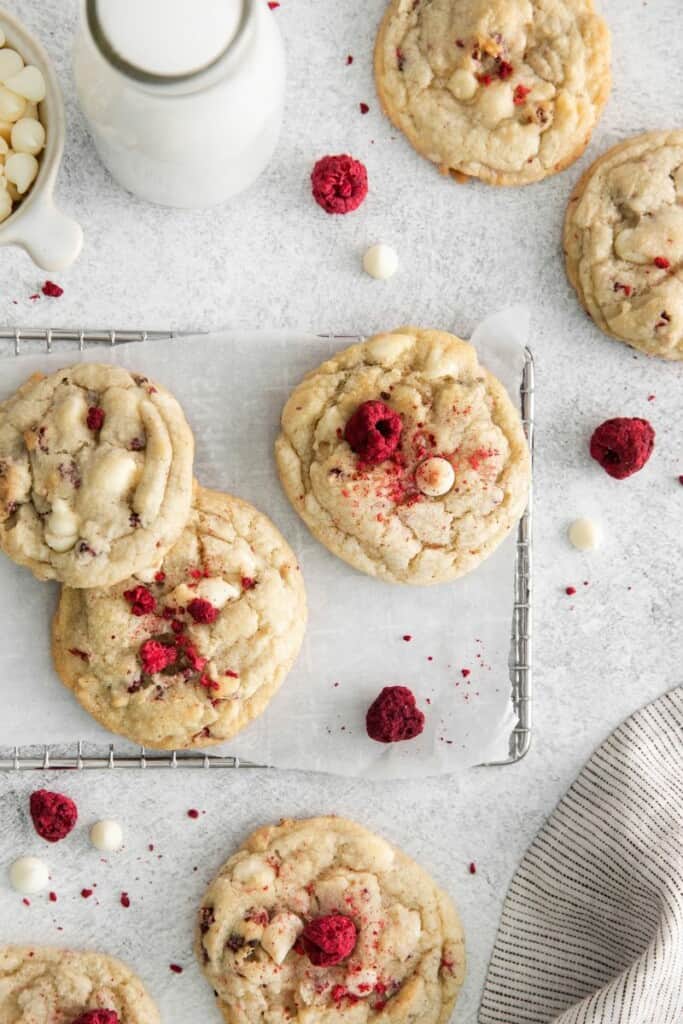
<point x="198" y="76"/>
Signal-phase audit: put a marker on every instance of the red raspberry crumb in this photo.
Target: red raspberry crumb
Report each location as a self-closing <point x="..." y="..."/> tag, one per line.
<point x="248" y="583"/>
<point x="484" y="79"/>
<point x="520" y="94"/>
<point x="363" y="108"/>
<point x="192" y="813"/>
<point x="505" y="70"/>
<point x="622" y="446"/>
<point x="83" y="655"/>
<point x="465" y="672"/>
<point x="155" y="657"/>
<point x="202" y="611"/>
<point x="159" y="577"/>
<point x="54" y="815"/>
<point x="625" y="288"/>
<point x="394" y="716"/>
<point x="329" y="940"/>
<point x="570" y="591"/>
<point x="86" y="893"/>
<point x="349" y="60"/>
<point x="662" y="262"/>
<point x="680" y="479"/>
<point x="52" y="289"/>
<point x="98" y="1017"/>
<point x="407" y="638"/>
<point x="374" y="432"/>
<point x="125" y="899"/>
<point x="95" y="417"/>
<point x="52" y="896"/>
<point x="273" y="4"/>
<point x="472" y="868"/>
<point x="176" y="968"/>
<point x="339" y="183"/>
<point x="141" y="600"/>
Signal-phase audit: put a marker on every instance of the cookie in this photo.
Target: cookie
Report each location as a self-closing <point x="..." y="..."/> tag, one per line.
<point x="188" y="652"/>
<point x="39" y="984"/>
<point x="405" y="457"/>
<point x="623" y="239"/>
<point x="320" y="920"/>
<point x="508" y="91"/>
<point x="95" y="474"/>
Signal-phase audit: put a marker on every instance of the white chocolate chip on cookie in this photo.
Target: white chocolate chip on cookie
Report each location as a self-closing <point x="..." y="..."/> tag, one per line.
<point x="281" y="934"/>
<point x="217" y="591"/>
<point x="435" y="477"/>
<point x="62" y="526"/>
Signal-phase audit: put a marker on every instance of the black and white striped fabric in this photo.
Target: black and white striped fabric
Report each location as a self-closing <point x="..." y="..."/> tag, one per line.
<point x="592" y="926"/>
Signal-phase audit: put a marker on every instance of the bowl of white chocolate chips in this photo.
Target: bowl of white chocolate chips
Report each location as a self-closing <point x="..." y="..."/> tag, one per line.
<point x="31" y="146"/>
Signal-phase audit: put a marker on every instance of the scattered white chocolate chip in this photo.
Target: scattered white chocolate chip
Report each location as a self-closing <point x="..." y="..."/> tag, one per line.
<point x="29" y="875"/>
<point x="61" y="526"/>
<point x="435" y="477"/>
<point x="584" y="534"/>
<point x="11" y="63"/>
<point x="29" y="83"/>
<point x="281" y="934"/>
<point x="12" y="107"/>
<point x="28" y="136"/>
<point x="380" y="262"/>
<point x="253" y="873"/>
<point x="107" y="836"/>
<point x="217" y="591"/>
<point x="21" y="169"/>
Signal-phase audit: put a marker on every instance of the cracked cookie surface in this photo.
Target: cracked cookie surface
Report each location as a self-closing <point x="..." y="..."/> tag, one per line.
<point x="190" y="651"/>
<point x="95" y="474"/>
<point x="385" y="518"/>
<point x="623" y="239"/>
<point x="264" y="913"/>
<point x="41" y="985"/>
<point x="508" y="91"/>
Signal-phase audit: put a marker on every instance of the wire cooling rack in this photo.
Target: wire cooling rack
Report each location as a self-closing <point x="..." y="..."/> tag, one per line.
<point x="25" y="340"/>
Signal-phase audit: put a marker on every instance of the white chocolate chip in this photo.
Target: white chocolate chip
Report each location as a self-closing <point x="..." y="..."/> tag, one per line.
<point x="584" y="534"/>
<point x="217" y="591"/>
<point x="330" y="893"/>
<point x="281" y="934"/>
<point x="29" y="875"/>
<point x="380" y="262"/>
<point x="435" y="477"/>
<point x="496" y="102"/>
<point x="5" y="203"/>
<point x="61" y="526"/>
<point x="253" y="873"/>
<point x="369" y="854"/>
<point x="70" y="413"/>
<point x="28" y="136"/>
<point x="29" y="83"/>
<point x="11" y="63"/>
<point x="182" y="595"/>
<point x="21" y="169"/>
<point x="462" y="84"/>
<point x="116" y="473"/>
<point x="12" y="107"/>
<point x="402" y="932"/>
<point x="107" y="836"/>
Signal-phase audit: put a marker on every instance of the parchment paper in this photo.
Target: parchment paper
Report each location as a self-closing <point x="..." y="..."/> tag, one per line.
<point x="232" y="386"/>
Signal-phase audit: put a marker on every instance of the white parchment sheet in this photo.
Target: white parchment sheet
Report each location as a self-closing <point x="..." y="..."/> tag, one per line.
<point x="232" y="386"/>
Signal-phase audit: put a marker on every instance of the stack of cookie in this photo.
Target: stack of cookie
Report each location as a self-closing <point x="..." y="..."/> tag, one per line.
<point x="183" y="609"/>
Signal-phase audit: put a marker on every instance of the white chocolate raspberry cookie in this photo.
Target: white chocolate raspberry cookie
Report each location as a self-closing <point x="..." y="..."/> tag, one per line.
<point x="508" y="91"/>
<point x="405" y="457"/>
<point x="322" y="921"/>
<point x="623" y="238"/>
<point x="187" y="653"/>
<point x="95" y="474"/>
<point x="39" y="985"/>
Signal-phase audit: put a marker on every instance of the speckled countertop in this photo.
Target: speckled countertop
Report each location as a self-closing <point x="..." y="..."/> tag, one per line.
<point x="274" y="258"/>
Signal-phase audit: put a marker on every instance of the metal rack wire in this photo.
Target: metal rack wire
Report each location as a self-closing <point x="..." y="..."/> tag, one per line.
<point x="77" y="756"/>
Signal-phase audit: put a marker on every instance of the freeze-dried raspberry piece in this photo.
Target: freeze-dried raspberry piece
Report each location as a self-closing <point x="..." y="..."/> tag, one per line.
<point x="623" y="445"/>
<point x="202" y="611"/>
<point x="52" y="289"/>
<point x="155" y="656"/>
<point x="394" y="716"/>
<point x="329" y="940"/>
<point x="54" y="815"/>
<point x="340" y="183"/>
<point x="95" y="417"/>
<point x="141" y="600"/>
<point x="374" y="432"/>
<point x="98" y="1017"/>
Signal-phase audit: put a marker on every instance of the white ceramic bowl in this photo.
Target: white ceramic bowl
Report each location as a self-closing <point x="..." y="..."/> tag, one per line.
<point x="51" y="239"/>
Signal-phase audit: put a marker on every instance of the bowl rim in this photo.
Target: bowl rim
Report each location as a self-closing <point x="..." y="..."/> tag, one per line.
<point x="51" y="111"/>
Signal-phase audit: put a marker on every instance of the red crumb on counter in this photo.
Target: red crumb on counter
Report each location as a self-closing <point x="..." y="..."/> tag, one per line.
<point x="570" y="591"/>
<point x="53" y="814"/>
<point x="176" y="968"/>
<point x="364" y="108"/>
<point x="472" y="868"/>
<point x="86" y="893"/>
<point x="124" y="900"/>
<point x="394" y="716"/>
<point x="52" y="290"/>
<point x="193" y="813"/>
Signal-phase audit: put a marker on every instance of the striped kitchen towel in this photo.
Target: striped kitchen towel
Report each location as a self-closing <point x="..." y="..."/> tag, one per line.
<point x="592" y="926"/>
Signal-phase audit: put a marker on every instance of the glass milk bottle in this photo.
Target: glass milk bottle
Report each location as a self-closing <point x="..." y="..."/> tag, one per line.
<point x="184" y="98"/>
